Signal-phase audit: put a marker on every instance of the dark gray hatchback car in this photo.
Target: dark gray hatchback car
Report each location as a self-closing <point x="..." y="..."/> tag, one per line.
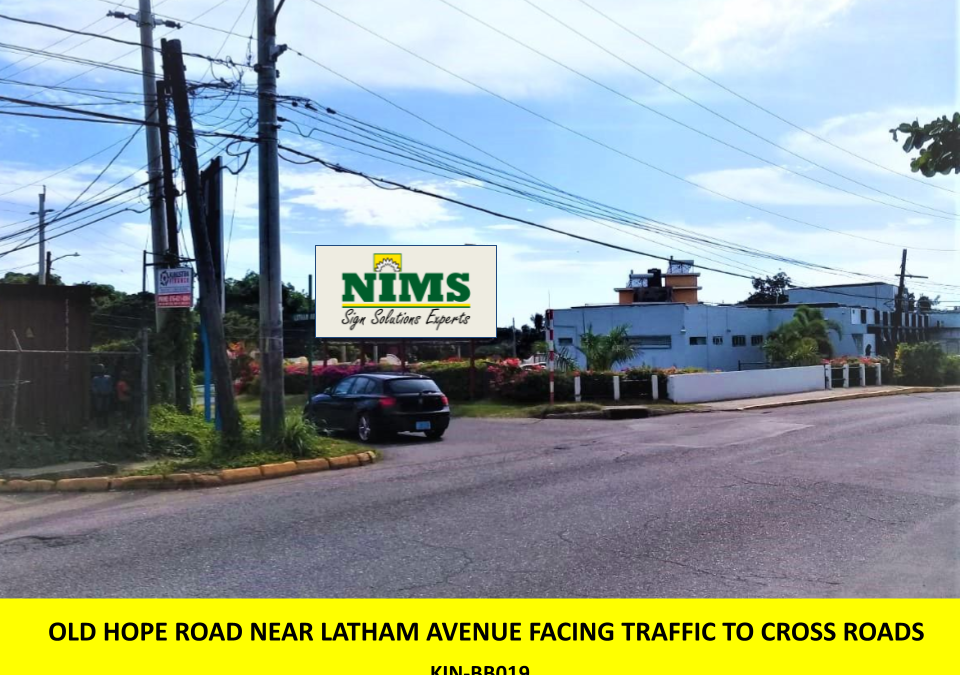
<point x="377" y="404"/>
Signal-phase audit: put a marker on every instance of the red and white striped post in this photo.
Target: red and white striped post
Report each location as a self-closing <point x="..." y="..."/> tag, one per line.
<point x="551" y="355"/>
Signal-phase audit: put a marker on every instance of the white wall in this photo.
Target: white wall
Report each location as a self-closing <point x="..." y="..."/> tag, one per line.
<point x="701" y="387"/>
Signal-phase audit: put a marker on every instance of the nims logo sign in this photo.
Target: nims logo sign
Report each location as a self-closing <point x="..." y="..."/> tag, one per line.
<point x="389" y="287"/>
<point x="436" y="292"/>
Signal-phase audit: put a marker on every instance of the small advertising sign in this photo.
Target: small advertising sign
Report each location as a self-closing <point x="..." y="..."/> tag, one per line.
<point x="174" y="288"/>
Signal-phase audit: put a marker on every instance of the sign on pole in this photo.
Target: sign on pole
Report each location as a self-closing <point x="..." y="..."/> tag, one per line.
<point x="174" y="288"/>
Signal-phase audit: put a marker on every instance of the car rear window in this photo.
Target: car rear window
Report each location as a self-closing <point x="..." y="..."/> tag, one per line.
<point x="412" y="386"/>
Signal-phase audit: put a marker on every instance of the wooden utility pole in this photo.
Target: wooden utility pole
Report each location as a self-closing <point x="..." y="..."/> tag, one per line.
<point x="898" y="306"/>
<point x="271" y="299"/>
<point x="209" y="293"/>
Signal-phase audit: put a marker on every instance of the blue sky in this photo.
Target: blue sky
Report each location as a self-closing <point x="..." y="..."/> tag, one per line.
<point x="847" y="70"/>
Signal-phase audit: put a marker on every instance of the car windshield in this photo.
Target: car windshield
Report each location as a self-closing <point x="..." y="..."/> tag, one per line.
<point x="412" y="386"/>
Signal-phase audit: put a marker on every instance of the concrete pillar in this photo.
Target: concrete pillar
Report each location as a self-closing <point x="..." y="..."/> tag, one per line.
<point x="654" y="387"/>
<point x="879" y="370"/>
<point x="376" y="354"/>
<point x="616" y="387"/>
<point x="827" y="376"/>
<point x="863" y="375"/>
<point x="846" y="375"/>
<point x="576" y="388"/>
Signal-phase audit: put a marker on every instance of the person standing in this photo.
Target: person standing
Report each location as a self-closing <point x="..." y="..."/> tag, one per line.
<point x="102" y="390"/>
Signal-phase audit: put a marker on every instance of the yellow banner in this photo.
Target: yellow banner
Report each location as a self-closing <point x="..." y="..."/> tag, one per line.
<point x="478" y="637"/>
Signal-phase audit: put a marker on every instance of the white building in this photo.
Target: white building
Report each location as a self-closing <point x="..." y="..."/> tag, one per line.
<point x="670" y="327"/>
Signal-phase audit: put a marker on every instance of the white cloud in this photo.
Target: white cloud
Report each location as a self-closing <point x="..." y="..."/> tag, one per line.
<point x="758" y="32"/>
<point x="713" y="34"/>
<point x="771" y="185"/>
<point x="360" y="203"/>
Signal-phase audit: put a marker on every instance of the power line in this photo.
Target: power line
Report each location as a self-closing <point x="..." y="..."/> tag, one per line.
<point x="380" y="182"/>
<point x="757" y="105"/>
<point x="609" y="147"/>
<point x="708" y="109"/>
<point x="139" y="45"/>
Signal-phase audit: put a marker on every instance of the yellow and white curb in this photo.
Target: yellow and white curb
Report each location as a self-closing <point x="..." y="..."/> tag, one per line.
<point x="182" y="481"/>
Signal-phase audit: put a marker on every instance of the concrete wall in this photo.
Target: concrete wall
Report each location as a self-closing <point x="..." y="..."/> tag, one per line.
<point x="701" y="387"/>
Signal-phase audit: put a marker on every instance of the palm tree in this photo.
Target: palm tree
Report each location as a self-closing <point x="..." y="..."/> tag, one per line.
<point x="803" y="340"/>
<point x="605" y="351"/>
<point x="812" y="324"/>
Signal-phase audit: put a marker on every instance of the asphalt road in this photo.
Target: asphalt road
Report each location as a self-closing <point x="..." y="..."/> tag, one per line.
<point x="860" y="498"/>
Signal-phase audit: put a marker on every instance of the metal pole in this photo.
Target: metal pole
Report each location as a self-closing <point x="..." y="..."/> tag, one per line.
<point x="473" y="372"/>
<point x="310" y="340"/>
<point x="16" y="381"/>
<point x="144" y="425"/>
<point x="42" y="229"/>
<point x="207" y="379"/>
<point x="271" y="320"/>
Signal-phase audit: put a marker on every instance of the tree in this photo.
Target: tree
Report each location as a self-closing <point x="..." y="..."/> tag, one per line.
<point x="769" y="290"/>
<point x="942" y="155"/>
<point x="925" y="304"/>
<point x="803" y="340"/>
<point x="603" y="352"/>
<point x="21" y="278"/>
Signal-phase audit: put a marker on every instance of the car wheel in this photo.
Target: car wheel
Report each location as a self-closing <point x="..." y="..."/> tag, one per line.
<point x="435" y="434"/>
<point x="365" y="428"/>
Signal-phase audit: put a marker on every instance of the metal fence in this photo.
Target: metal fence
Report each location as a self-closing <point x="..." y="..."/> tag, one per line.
<point x="65" y="392"/>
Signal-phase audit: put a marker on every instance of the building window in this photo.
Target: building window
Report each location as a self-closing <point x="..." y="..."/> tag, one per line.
<point x="863" y="316"/>
<point x="756" y="340"/>
<point x="698" y="341"/>
<point x="876" y="316"/>
<point x="739" y="340"/>
<point x="718" y="339"/>
<point x="886" y="318"/>
<point x="565" y="342"/>
<point x="651" y="341"/>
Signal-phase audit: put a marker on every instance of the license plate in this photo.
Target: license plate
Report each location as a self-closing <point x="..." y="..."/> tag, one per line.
<point x="423" y="426"/>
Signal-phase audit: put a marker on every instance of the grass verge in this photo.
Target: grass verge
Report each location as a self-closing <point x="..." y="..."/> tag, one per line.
<point x="503" y="409"/>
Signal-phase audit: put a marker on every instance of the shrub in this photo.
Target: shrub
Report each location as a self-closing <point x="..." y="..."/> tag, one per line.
<point x="175" y="434"/>
<point x="951" y="370"/>
<point x="920" y="364"/>
<point x="299" y="437"/>
<point x="453" y="377"/>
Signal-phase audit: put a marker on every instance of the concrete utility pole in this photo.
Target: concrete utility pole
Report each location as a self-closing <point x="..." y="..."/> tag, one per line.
<point x="271" y="311"/>
<point x="42" y="229"/>
<point x="158" y="230"/>
<point x="145" y="22"/>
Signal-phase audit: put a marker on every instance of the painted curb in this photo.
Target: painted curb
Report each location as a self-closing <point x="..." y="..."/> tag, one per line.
<point x="183" y="481"/>
<point x="844" y="397"/>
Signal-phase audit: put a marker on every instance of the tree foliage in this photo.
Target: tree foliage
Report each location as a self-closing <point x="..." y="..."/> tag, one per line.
<point x="802" y="341"/>
<point x="942" y="155"/>
<point x="769" y="290"/>
<point x="604" y="351"/>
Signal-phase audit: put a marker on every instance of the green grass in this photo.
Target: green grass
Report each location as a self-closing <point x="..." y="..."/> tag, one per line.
<point x="209" y="462"/>
<point x="506" y="409"/>
<point x="249" y="404"/>
<point x="188" y="443"/>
